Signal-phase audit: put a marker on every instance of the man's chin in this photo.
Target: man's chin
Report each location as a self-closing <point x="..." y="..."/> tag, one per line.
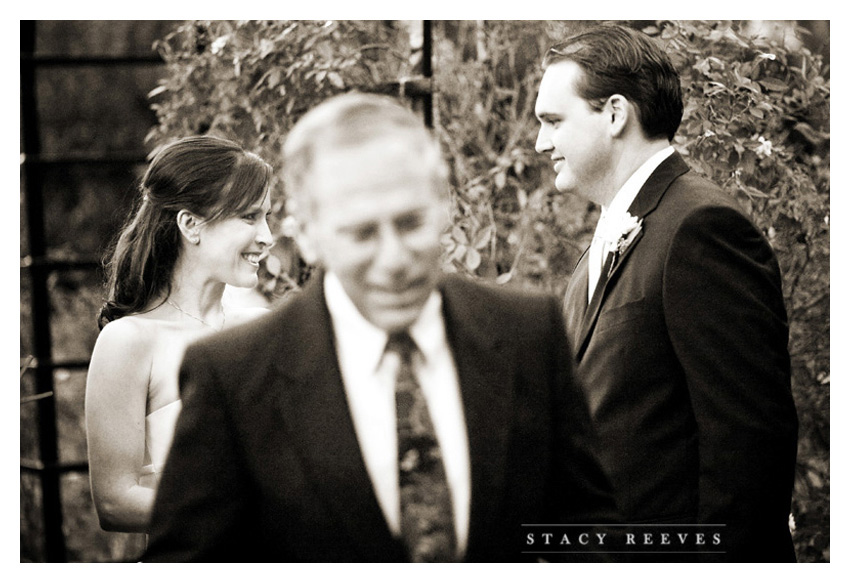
<point x="394" y="319"/>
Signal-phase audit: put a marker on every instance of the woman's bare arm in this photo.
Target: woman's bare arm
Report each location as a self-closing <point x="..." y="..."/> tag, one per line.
<point x="116" y="397"/>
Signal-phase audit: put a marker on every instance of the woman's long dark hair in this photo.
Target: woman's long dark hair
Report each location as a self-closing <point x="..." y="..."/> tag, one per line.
<point x="208" y="176"/>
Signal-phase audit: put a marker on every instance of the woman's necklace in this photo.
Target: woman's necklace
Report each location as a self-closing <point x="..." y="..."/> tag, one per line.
<point x="201" y="320"/>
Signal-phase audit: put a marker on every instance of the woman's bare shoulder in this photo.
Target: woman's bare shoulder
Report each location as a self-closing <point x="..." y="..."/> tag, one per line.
<point x="121" y="362"/>
<point x="133" y="328"/>
<point x="131" y="336"/>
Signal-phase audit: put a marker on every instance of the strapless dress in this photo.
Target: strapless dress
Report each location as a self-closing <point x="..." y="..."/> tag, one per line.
<point x="159" y="431"/>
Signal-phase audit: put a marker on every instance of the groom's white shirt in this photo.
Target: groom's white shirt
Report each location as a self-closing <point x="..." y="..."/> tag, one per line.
<point x="368" y="375"/>
<point x="624" y="198"/>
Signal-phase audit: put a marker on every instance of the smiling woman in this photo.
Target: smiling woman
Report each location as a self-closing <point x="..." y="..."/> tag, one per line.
<point x="200" y="225"/>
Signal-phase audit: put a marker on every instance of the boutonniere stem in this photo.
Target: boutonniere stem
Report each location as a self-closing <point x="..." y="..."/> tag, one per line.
<point x="625" y="231"/>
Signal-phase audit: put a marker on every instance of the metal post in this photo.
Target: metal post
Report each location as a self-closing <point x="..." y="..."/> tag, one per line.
<point x="427" y="72"/>
<point x="34" y="191"/>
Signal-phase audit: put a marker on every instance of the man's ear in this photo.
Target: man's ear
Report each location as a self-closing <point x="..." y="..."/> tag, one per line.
<point x="190" y="226"/>
<point x="619" y="111"/>
<point x="305" y="238"/>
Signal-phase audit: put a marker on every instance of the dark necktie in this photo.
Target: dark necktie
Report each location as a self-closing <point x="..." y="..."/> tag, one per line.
<point x="427" y="525"/>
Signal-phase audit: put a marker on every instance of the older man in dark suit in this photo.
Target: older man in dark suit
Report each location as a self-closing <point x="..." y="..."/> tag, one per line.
<point x="675" y="311"/>
<point x="386" y="413"/>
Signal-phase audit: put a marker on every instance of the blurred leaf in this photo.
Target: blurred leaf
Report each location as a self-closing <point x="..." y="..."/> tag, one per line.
<point x="773" y="84"/>
<point x="483" y="237"/>
<point x="273" y="265"/>
<point x="459" y="235"/>
<point x="473" y="259"/>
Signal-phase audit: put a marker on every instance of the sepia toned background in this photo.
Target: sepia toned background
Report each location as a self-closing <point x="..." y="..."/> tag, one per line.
<point x="98" y="96"/>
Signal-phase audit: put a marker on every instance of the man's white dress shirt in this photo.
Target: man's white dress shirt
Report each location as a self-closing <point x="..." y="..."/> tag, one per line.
<point x="603" y="240"/>
<point x="369" y="373"/>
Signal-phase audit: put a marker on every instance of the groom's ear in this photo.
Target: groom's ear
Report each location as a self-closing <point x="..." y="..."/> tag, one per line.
<point x="305" y="238"/>
<point x="619" y="111"/>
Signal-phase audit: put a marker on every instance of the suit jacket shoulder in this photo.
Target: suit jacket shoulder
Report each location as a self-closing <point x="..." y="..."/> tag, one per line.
<point x="675" y="192"/>
<point x="497" y="305"/>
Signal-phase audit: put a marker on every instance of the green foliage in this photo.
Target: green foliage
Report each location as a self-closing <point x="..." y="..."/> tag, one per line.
<point x="756" y="122"/>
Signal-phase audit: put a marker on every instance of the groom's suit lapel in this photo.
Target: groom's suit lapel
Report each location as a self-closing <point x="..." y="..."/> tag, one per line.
<point x="314" y="412"/>
<point x="646" y="201"/>
<point x="575" y="301"/>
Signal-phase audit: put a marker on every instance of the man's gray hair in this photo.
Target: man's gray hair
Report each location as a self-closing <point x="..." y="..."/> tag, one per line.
<point x="349" y="120"/>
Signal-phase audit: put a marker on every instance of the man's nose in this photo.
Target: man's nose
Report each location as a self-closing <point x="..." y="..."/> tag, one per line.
<point x="544" y="143"/>
<point x="393" y="253"/>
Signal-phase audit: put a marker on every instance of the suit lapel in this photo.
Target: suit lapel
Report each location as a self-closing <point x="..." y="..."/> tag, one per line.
<point x="575" y="300"/>
<point x="646" y="201"/>
<point x="315" y="413"/>
<point x="485" y="379"/>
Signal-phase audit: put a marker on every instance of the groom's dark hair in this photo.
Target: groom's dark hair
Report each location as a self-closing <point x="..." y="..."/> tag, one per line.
<point x="615" y="59"/>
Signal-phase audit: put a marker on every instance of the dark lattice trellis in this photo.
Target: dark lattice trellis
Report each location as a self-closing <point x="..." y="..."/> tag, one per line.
<point x="38" y="265"/>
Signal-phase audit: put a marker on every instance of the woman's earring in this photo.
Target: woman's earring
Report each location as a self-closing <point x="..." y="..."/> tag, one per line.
<point x="195" y="240"/>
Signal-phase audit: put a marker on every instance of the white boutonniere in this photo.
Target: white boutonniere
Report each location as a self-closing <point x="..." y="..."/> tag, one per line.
<point x="624" y="229"/>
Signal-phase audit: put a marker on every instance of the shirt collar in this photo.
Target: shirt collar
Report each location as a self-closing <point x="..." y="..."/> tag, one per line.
<point x="351" y="329"/>
<point x="629" y="191"/>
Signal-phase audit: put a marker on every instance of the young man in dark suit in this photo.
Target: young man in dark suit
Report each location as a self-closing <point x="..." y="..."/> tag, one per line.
<point x="675" y="312"/>
<point x="386" y="413"/>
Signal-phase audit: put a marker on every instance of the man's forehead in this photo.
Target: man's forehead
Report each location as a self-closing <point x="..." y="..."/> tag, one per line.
<point x="562" y="75"/>
<point x="345" y="202"/>
<point x="389" y="138"/>
<point x="377" y="151"/>
<point x="558" y="82"/>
